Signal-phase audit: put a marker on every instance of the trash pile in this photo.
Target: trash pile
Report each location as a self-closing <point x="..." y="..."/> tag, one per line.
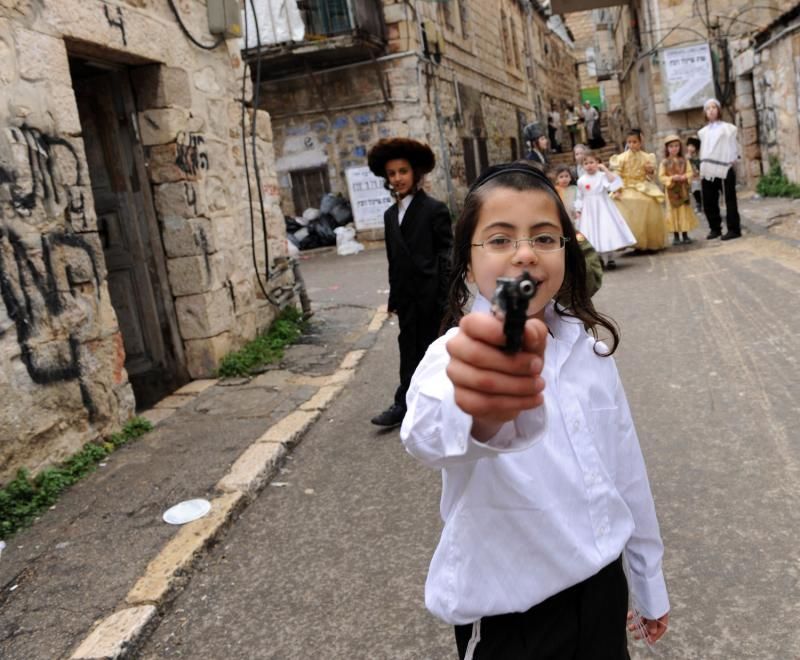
<point x="330" y="224"/>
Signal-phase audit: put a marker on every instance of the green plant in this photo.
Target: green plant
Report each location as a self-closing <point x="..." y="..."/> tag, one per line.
<point x="775" y="184"/>
<point x="266" y="348"/>
<point x="22" y="499"/>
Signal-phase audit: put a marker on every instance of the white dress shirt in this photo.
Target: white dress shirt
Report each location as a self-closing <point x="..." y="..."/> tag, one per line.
<point x="402" y="207"/>
<point x="555" y="496"/>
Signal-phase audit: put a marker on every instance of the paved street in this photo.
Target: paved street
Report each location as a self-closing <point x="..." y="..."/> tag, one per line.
<point x="330" y="561"/>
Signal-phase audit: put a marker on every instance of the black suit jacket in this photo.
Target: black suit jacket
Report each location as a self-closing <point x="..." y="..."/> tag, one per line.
<point x="419" y="253"/>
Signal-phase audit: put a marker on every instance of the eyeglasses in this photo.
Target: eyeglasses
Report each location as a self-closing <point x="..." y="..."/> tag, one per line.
<point x="500" y="244"/>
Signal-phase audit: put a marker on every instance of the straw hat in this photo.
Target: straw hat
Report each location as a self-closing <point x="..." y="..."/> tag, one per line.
<point x="418" y="154"/>
<point x="672" y="137"/>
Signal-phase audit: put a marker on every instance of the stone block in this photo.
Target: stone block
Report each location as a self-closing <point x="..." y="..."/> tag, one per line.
<point x="204" y="355"/>
<point x="159" y="86"/>
<point x="747" y="118"/>
<point x="204" y="315"/>
<point x="162" y="164"/>
<point x="40" y="56"/>
<point x="162" y="125"/>
<point x="116" y="634"/>
<point x="395" y="13"/>
<point x="182" y="199"/>
<point x="749" y="135"/>
<point x="196" y="274"/>
<point x="206" y="81"/>
<point x="186" y="237"/>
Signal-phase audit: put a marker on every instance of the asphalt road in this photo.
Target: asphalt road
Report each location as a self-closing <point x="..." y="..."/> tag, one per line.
<point x="332" y="564"/>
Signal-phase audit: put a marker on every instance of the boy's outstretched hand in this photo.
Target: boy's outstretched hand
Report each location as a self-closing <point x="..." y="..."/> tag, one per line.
<point x="491" y="385"/>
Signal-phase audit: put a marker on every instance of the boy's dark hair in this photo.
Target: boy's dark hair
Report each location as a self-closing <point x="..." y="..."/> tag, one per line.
<point x="573" y="295"/>
<point x="695" y="142"/>
<point x="635" y="132"/>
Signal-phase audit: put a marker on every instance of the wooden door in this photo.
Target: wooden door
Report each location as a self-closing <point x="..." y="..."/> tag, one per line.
<point x="124" y="218"/>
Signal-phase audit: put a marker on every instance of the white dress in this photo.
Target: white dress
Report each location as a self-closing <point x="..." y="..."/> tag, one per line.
<point x="600" y="221"/>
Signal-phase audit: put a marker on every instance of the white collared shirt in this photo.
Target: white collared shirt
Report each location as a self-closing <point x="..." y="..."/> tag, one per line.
<point x="402" y="207"/>
<point x="555" y="496"/>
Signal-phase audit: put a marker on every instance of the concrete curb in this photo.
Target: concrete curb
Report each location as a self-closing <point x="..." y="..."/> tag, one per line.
<point x="120" y="634"/>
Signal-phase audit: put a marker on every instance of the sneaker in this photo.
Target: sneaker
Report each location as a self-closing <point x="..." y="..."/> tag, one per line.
<point x="392" y="416"/>
<point x="687" y="240"/>
<point x="731" y="234"/>
<point x="714" y="233"/>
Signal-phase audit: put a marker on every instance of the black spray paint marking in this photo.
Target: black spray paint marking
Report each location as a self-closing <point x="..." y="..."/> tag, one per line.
<point x="191" y="157"/>
<point x="41" y="174"/>
<point x="119" y="22"/>
<point x="21" y="301"/>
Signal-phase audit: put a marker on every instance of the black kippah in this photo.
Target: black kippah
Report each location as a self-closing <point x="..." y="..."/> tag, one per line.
<point x="509" y="168"/>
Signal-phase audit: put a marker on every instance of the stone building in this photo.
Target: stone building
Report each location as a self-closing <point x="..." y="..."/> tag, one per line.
<point x="126" y="258"/>
<point x="771" y="100"/>
<point x="671" y="56"/>
<point x="463" y="75"/>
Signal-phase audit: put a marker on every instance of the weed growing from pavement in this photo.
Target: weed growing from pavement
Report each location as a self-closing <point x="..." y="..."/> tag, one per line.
<point x="24" y="498"/>
<point x="775" y="184"/>
<point x="267" y="348"/>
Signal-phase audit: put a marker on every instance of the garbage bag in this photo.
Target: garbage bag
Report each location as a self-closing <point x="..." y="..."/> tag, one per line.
<point x="346" y="242"/>
<point x="310" y="215"/>
<point x="323" y="230"/>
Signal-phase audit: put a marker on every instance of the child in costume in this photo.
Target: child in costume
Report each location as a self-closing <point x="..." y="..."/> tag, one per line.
<point x="597" y="217"/>
<point x="544" y="491"/>
<point x="693" y="155"/>
<point x="640" y="199"/>
<point x="675" y="174"/>
<point x="719" y="150"/>
<point x="419" y="238"/>
<point x="594" y="264"/>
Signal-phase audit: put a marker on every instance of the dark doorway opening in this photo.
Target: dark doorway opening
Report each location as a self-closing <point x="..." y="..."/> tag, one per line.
<point x="128" y="229"/>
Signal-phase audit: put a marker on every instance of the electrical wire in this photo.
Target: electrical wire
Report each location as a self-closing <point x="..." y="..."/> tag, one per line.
<point x="188" y="34"/>
<point x="261" y="285"/>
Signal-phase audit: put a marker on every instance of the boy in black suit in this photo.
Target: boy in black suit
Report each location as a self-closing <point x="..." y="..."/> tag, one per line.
<point x="419" y="239"/>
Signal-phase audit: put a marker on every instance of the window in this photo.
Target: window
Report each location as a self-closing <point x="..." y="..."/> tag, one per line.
<point x="514" y="148"/>
<point x="514" y="46"/>
<point x="504" y="40"/>
<point x="308" y="187"/>
<point x="446" y="15"/>
<point x="476" y="157"/>
<point x="463" y="17"/>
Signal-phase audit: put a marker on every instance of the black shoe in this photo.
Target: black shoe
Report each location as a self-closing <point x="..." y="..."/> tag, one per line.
<point x="687" y="240"/>
<point x="392" y="416"/>
<point x="676" y="241"/>
<point x="714" y="233"/>
<point x="611" y="264"/>
<point x="730" y="235"/>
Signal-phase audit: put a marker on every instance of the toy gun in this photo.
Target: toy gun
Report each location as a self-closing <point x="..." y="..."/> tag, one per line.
<point x="511" y="298"/>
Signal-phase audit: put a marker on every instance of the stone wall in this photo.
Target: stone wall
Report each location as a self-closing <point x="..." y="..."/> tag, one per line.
<point x="62" y="375"/>
<point x="776" y="82"/>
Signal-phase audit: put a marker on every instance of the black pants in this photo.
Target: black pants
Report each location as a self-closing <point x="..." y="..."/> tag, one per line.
<point x="585" y="622"/>
<point x="711" y="192"/>
<point x="419" y="327"/>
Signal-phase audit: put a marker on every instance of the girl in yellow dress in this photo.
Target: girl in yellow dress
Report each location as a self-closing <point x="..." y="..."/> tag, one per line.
<point x="675" y="174"/>
<point x="640" y="199"/>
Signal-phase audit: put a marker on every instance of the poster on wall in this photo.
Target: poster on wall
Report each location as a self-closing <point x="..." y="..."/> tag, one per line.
<point x="368" y="198"/>
<point x="688" y="76"/>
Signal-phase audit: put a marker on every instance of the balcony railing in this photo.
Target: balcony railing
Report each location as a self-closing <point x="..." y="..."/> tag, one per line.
<point x="337" y="32"/>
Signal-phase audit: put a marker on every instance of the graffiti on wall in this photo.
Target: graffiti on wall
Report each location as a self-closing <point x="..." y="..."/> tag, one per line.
<point x="116" y="21"/>
<point x="191" y="156"/>
<point x="38" y="286"/>
<point x="49" y="175"/>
